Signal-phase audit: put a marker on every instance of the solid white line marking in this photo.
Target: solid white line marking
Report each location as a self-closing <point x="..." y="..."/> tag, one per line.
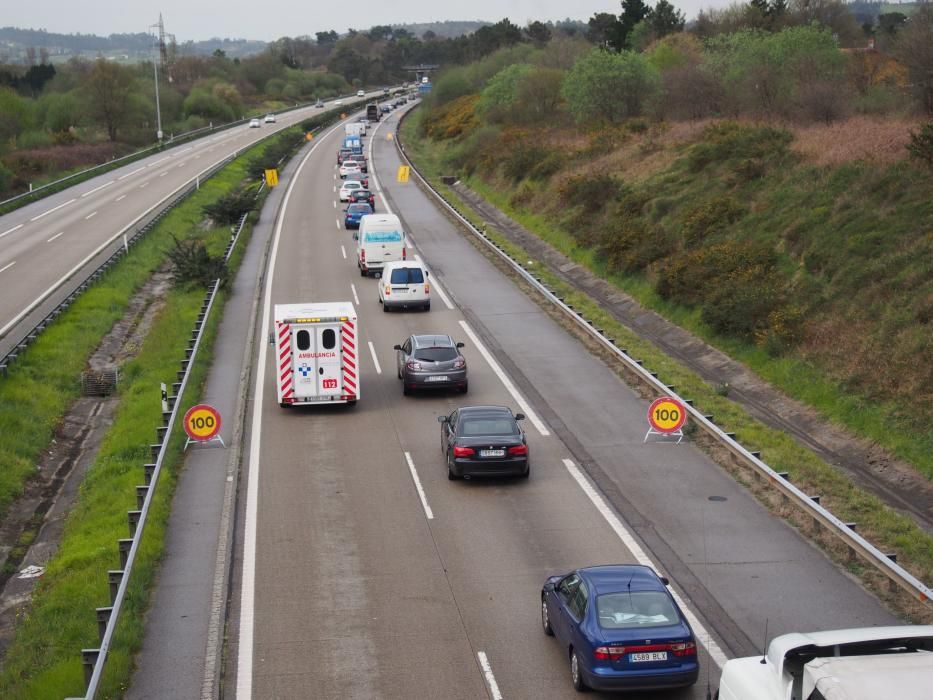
<point x="123" y="177"/>
<point x="438" y="288"/>
<point x="55" y="236"/>
<point x="11" y="230"/>
<point x="343" y="252"/>
<point x="46" y="213"/>
<point x="490" y="678"/>
<point x="372" y="350"/>
<point x="90" y="216"/>
<point x="715" y="652"/>
<point x="414" y="477"/>
<point x="519" y="399"/>
<point x="122" y="196"/>
<point x="244" y="681"/>
<point x="355" y="297"/>
<point x="106" y="184"/>
<point x="7" y="267"/>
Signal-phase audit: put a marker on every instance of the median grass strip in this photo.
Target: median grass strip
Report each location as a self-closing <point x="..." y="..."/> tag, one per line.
<point x="881" y="525"/>
<point x="44" y="659"/>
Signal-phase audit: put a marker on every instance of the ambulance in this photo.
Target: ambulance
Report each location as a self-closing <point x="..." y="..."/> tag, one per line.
<point x="316" y="353"/>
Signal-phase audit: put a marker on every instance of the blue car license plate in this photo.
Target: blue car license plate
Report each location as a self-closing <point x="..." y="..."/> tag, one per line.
<point x="648" y="656"/>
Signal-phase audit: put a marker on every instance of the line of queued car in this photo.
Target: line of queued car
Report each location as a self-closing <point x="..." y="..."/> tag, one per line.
<point x="618" y="626"/>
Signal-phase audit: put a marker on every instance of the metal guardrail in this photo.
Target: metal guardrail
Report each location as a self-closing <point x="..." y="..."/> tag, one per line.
<point x="844" y="531"/>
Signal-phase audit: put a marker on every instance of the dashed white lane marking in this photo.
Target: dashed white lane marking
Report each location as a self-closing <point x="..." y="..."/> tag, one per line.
<point x="163" y="174"/>
<point x="343" y="252"/>
<point x="11" y="230"/>
<point x="355" y="297"/>
<point x="161" y="160"/>
<point x="123" y="177"/>
<point x="122" y="196"/>
<point x="335" y="188"/>
<point x="438" y="288"/>
<point x="715" y="652"/>
<point x="506" y="382"/>
<point x="7" y="267"/>
<point x="337" y="221"/>
<point x="144" y="185"/>
<point x="55" y="236"/>
<point x="429" y="514"/>
<point x="335" y="204"/>
<point x="90" y="216"/>
<point x="372" y="351"/>
<point x="183" y="164"/>
<point x="488" y="674"/>
<point x="90" y="192"/>
<point x="46" y="213"/>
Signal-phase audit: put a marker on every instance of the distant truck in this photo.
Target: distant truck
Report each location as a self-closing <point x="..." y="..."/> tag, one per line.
<point x="316" y="353"/>
<point x="868" y="663"/>
<point x="372" y="110"/>
<point x="354" y="129"/>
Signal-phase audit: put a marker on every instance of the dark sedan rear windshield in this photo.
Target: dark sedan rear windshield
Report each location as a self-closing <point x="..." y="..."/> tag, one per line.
<point x="474" y="427"/>
<point x="639" y="609"/>
<point x="409" y="275"/>
<point x="433" y="354"/>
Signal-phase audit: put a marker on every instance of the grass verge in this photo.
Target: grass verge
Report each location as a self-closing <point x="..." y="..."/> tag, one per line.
<point x="886" y="528"/>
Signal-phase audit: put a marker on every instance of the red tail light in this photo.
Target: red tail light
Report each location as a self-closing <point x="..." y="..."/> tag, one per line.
<point x="609" y="653"/>
<point x="404" y="253"/>
<point x="459" y="363"/>
<point x="388" y="290"/>
<point x="363" y="254"/>
<point x="411" y="364"/>
<point x="464" y="452"/>
<point x="518" y="450"/>
<point x="615" y="653"/>
<point x="684" y="649"/>
<point x="427" y="289"/>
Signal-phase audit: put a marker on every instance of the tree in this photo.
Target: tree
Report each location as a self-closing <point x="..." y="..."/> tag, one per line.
<point x="380" y="32"/>
<point x="326" y="38"/>
<point x="604" y="30"/>
<point x="665" y="19"/>
<point x="914" y="48"/>
<point x="108" y="95"/>
<point x="633" y="12"/>
<point x="501" y="92"/>
<point x="538" y="32"/>
<point x="610" y="87"/>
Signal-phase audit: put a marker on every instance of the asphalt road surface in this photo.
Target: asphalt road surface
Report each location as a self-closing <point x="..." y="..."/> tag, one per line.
<point x="42" y="242"/>
<point x="363" y="572"/>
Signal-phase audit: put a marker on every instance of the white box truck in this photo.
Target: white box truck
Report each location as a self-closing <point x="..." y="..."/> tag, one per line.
<point x="316" y="353"/>
<point x="380" y="240"/>
<point x="355" y="129"/>
<point x="867" y="663"/>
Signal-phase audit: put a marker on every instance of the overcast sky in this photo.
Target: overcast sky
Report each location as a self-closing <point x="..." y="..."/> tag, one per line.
<point x="271" y="19"/>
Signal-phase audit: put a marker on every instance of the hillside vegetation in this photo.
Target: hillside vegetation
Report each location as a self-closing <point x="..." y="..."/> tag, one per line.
<point x="798" y="238"/>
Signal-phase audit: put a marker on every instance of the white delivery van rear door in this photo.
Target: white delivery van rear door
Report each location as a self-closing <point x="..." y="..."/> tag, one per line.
<point x="317" y="352"/>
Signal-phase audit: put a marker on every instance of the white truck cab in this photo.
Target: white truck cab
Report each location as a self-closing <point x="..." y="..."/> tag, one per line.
<point x="866" y="663"/>
<point x="316" y="353"/>
<point x="380" y="240"/>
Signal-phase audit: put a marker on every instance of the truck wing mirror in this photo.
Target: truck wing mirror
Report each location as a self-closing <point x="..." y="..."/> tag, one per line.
<point x="519" y="416"/>
<point x="394" y="347"/>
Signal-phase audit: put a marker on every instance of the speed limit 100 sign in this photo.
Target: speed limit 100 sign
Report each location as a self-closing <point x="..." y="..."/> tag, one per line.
<point x="667" y="415"/>
<point x="202" y="422"/>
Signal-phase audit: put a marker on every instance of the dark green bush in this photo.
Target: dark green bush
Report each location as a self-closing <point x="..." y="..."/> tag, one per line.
<point x="710" y="217"/>
<point x="193" y="264"/>
<point x="729" y="141"/>
<point x="231" y="207"/>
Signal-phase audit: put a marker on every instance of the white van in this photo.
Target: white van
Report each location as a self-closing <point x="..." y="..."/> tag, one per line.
<point x="405" y="285"/>
<point x="380" y="240"/>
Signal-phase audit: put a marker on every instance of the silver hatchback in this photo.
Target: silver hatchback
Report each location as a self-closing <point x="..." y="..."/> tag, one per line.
<point x="431" y="362"/>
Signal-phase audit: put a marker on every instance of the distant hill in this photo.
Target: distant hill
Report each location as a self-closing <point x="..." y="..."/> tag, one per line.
<point x="16" y="44"/>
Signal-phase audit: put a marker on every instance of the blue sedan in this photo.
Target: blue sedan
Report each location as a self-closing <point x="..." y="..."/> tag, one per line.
<point x="355" y="212"/>
<point x="620" y="629"/>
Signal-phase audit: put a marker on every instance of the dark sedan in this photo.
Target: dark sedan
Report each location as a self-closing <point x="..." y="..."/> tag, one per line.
<point x="484" y="441"/>
<point x="620" y="628"/>
<point x="364" y="196"/>
<point x="355" y="212"/>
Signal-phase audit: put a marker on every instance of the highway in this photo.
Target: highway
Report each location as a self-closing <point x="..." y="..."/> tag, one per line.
<point x="363" y="572"/>
<point x="42" y="242"/>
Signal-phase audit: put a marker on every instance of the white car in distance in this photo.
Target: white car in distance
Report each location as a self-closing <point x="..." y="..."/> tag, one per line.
<point x="270" y="119"/>
<point x="347" y="188"/>
<point x="254" y="124"/>
<point x="350" y="166"/>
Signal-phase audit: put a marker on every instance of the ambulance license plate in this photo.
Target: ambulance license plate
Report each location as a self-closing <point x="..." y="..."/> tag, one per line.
<point x="437" y="378"/>
<point x="648" y="656"/>
<point x="492" y="453"/>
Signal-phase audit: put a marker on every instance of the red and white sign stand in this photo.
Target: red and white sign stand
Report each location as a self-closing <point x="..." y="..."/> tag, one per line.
<point x="666" y="416"/>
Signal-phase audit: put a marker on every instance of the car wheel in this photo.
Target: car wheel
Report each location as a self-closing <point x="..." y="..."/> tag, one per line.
<point x="545" y="620"/>
<point x="385" y="308"/>
<point x="405" y="390"/>
<point x="527" y="472"/>
<point x="427" y="307"/>
<point x="362" y="272"/>
<point x="576" y="677"/>
<point x="450" y="470"/>
<point x="465" y="388"/>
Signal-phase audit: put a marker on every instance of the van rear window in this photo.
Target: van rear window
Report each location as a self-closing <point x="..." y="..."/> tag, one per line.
<point x="407" y="275"/>
<point x="383" y="236"/>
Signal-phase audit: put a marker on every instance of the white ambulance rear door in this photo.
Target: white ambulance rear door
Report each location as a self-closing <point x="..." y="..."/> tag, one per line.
<point x="316" y="349"/>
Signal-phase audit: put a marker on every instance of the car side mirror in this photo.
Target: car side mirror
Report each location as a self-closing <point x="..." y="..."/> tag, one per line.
<point x="442" y="419"/>
<point x="548" y="586"/>
<point x="519" y="416"/>
<point x="397" y="347"/>
<point x="665" y="581"/>
<point x="356" y="236"/>
<point x="459" y="345"/>
<point x="427" y="274"/>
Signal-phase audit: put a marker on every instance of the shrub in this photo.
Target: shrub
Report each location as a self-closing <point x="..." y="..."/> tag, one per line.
<point x="741" y="301"/>
<point x="192" y="264"/>
<point x="921" y="144"/>
<point x="725" y="141"/>
<point x="231" y="207"/>
<point x="610" y="87"/>
<point x="629" y="246"/>
<point x="592" y="190"/>
<point x="710" y="217"/>
<point x="453" y="119"/>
